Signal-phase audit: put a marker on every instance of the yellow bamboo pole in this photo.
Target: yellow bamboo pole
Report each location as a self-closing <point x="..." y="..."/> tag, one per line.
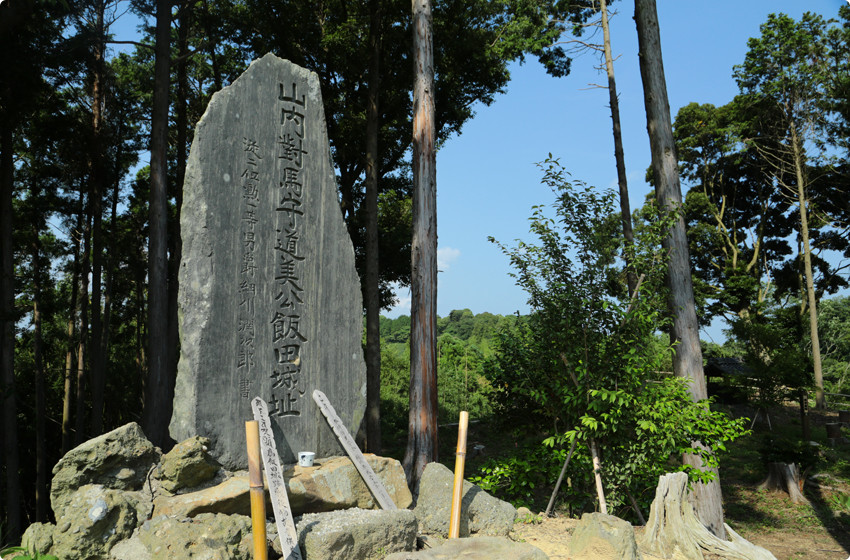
<point x="460" y="459"/>
<point x="257" y="492"/>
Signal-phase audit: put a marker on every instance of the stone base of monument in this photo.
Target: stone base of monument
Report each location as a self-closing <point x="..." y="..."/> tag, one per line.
<point x="118" y="497"/>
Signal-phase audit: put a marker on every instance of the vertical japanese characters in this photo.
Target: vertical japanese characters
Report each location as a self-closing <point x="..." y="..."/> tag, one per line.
<point x="250" y="200"/>
<point x="288" y="384"/>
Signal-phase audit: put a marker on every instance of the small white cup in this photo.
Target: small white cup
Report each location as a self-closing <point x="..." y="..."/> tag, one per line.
<point x="305" y="458"/>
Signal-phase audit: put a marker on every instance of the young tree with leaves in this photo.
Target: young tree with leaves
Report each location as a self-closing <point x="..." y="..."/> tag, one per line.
<point x="585" y="360"/>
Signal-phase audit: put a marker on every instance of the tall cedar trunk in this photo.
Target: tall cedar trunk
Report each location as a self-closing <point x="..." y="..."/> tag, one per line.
<point x="625" y="210"/>
<point x="110" y="273"/>
<point x="422" y="437"/>
<point x="175" y="244"/>
<point x="42" y="496"/>
<point x="373" y="300"/>
<point x="98" y="379"/>
<point x="7" y="331"/>
<point x="160" y="386"/>
<point x="820" y="402"/>
<point x="83" y="331"/>
<point x="68" y="389"/>
<point x="687" y="360"/>
<point x="140" y="335"/>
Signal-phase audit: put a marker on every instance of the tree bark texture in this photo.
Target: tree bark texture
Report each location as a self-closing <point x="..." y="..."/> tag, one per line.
<point x="619" y="157"/>
<point x="67" y="431"/>
<point x="83" y="331"/>
<point x="159" y="390"/>
<point x="597" y="477"/>
<point x="98" y="188"/>
<point x="42" y="495"/>
<point x="785" y="477"/>
<point x="687" y="359"/>
<point x="175" y="241"/>
<point x="372" y="295"/>
<point x="820" y="398"/>
<point x="422" y="438"/>
<point x="7" y="331"/>
<point x="673" y="529"/>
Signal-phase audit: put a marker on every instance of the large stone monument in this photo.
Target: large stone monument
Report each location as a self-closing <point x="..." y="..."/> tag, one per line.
<point x="269" y="297"/>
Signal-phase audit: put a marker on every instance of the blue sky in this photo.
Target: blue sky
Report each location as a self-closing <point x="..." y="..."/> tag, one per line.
<point x="487" y="178"/>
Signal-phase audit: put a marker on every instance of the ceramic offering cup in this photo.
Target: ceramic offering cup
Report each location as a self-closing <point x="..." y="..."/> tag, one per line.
<point x="305" y="458"/>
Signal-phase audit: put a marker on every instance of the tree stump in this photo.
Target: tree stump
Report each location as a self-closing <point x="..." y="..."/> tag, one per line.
<point x="785" y="477"/>
<point x="833" y="434"/>
<point x="673" y="528"/>
<point x="833" y="430"/>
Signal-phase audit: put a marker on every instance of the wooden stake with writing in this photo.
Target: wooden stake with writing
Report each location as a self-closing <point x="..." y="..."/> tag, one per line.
<point x="354" y="453"/>
<point x="277" y="488"/>
<point x="257" y="493"/>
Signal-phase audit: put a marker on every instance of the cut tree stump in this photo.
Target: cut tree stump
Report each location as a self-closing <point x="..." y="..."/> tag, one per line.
<point x="834" y="435"/>
<point x="786" y="478"/>
<point x="673" y="529"/>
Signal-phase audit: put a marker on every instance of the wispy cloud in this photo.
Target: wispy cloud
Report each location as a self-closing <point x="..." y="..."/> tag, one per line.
<point x="445" y="257"/>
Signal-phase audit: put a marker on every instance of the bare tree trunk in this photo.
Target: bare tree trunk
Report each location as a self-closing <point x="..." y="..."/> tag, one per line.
<point x="67" y="431"/>
<point x="687" y="360"/>
<point x="160" y="387"/>
<point x="622" y="181"/>
<point x="7" y="334"/>
<point x="98" y="379"/>
<point x="597" y="477"/>
<point x="110" y="277"/>
<point x="422" y="437"/>
<point x="820" y="400"/>
<point x="42" y="496"/>
<point x="373" y="300"/>
<point x="83" y="331"/>
<point x="175" y="242"/>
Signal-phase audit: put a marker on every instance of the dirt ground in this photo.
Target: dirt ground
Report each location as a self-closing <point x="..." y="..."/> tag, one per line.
<point x="552" y="536"/>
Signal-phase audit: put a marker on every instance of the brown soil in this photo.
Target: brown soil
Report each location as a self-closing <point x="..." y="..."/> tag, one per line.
<point x="552" y="536"/>
<point x="808" y="540"/>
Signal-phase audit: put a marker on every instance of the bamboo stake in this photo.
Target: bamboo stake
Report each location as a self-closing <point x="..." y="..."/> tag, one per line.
<point x="460" y="459"/>
<point x="257" y="492"/>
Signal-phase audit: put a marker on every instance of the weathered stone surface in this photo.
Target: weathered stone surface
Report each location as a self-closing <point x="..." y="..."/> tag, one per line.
<point x="331" y="484"/>
<point x="205" y="537"/>
<point x="269" y="297"/>
<point x="131" y="549"/>
<point x="599" y="536"/>
<point x="187" y="465"/>
<point x="231" y="496"/>
<point x="335" y="483"/>
<point x="481" y="513"/>
<point x="481" y="548"/>
<point x="38" y="538"/>
<point x="94" y="520"/>
<point x="356" y="533"/>
<point x="119" y="459"/>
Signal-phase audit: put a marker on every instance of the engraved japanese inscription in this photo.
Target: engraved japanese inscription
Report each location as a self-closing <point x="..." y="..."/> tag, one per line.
<point x="269" y="298"/>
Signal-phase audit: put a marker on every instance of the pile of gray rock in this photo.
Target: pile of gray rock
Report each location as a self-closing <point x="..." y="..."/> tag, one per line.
<point x="117" y="497"/>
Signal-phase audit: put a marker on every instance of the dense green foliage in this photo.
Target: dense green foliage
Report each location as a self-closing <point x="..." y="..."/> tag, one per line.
<point x="584" y="362"/>
<point x="464" y="348"/>
<point x="75" y="118"/>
